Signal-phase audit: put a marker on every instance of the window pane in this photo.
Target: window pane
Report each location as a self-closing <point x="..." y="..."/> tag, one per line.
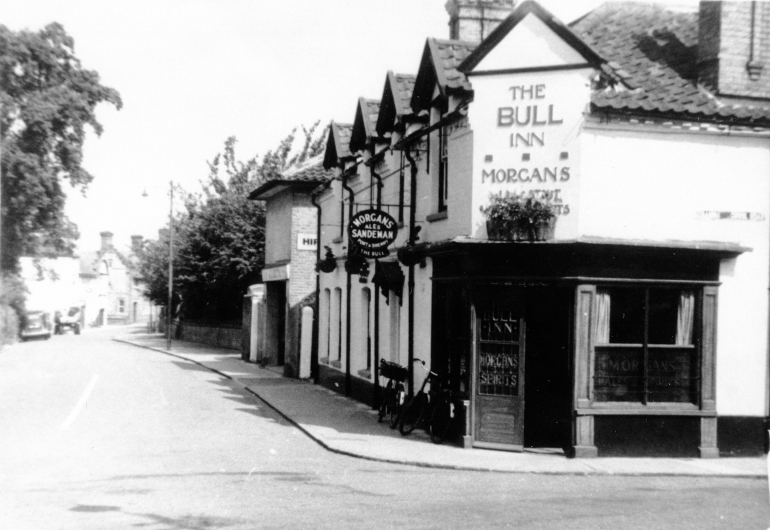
<point x="664" y="306"/>
<point x="626" y="316"/>
<point x="619" y="374"/>
<point x="672" y="375"/>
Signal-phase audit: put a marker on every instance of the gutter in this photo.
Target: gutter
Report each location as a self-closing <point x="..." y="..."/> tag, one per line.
<point x="314" y="348"/>
<point x="410" y="284"/>
<point x="376" y="359"/>
<point x="348" y="286"/>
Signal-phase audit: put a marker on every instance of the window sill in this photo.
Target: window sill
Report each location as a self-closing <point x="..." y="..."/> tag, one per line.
<point x="337" y="240"/>
<point x="323" y="360"/>
<point x="637" y="409"/>
<point x="366" y="374"/>
<point x="438" y="216"/>
<point x="336" y="364"/>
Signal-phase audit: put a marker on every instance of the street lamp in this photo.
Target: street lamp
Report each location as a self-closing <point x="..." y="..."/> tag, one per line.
<point x="170" y="259"/>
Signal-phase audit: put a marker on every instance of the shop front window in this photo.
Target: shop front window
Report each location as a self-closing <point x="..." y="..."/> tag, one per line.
<point x="644" y="345"/>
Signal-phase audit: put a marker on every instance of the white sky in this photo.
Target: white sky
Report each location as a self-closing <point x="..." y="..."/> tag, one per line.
<point x="193" y="72"/>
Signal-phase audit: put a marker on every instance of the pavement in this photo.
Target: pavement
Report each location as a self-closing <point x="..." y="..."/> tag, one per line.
<point x="348" y="427"/>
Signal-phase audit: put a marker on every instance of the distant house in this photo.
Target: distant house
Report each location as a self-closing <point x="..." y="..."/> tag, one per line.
<point x="113" y="290"/>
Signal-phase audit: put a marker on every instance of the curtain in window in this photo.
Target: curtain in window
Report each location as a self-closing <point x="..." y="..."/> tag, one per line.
<point x="602" y="317"/>
<point x="685" y="318"/>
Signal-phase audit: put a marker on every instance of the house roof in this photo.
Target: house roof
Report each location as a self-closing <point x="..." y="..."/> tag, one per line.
<point x="337" y="144"/>
<point x="655" y="50"/>
<point x="395" y="102"/>
<point x="302" y="177"/>
<point x="526" y="8"/>
<point x="365" y="124"/>
<point x="439" y="66"/>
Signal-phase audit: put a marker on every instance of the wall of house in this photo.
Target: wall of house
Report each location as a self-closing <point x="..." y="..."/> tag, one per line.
<point x="527" y="141"/>
<point x="655" y="183"/>
<point x="278" y="241"/>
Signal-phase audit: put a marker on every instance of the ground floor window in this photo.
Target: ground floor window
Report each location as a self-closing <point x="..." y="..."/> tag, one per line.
<point x="645" y="347"/>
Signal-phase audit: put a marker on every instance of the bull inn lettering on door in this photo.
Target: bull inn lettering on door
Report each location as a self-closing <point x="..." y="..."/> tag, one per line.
<point x="499" y="351"/>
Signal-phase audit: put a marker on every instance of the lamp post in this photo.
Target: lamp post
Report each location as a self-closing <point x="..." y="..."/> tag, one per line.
<point x="170" y="260"/>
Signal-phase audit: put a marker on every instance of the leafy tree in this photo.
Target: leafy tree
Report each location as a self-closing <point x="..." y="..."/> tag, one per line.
<point x="47" y="101"/>
<point x="219" y="238"/>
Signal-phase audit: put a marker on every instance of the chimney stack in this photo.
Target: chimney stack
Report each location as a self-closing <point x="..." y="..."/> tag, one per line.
<point x="106" y="240"/>
<point x="474" y="20"/>
<point x="734" y="48"/>
<point x="136" y="244"/>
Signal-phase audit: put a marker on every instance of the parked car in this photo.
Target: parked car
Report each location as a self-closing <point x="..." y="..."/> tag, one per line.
<point x="36" y="324"/>
<point x="69" y="321"/>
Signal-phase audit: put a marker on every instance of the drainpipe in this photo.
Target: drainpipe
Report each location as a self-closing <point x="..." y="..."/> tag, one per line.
<point x="348" y="287"/>
<point x="376" y="360"/>
<point x="314" y="347"/>
<point x="411" y="241"/>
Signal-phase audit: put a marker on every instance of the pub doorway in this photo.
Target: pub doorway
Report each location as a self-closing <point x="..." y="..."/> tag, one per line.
<point x="522" y="391"/>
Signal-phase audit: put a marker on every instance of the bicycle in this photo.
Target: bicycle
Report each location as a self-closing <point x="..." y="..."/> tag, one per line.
<point x="394" y="391"/>
<point x="436" y="407"/>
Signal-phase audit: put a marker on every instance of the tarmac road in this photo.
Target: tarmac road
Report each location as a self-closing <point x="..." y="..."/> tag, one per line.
<point x="96" y="434"/>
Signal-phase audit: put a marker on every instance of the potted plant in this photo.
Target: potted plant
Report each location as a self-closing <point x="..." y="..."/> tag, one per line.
<point x="329" y="263"/>
<point x="514" y="218"/>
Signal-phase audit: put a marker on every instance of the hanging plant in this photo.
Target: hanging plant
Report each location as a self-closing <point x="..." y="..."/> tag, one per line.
<point x="328" y="264"/>
<point x="513" y="218"/>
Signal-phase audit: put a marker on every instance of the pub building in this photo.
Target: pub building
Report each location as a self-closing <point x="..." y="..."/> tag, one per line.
<point x="636" y="322"/>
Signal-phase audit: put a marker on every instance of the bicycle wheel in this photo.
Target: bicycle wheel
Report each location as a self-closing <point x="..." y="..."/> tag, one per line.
<point x="385" y="402"/>
<point x="411" y="414"/>
<point x="440" y="420"/>
<point x="395" y="409"/>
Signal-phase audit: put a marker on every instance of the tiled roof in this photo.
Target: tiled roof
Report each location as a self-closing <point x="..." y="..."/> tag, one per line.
<point x="654" y="51"/>
<point x="439" y="64"/>
<point x="365" y="124"/>
<point x="302" y="177"/>
<point x="395" y="102"/>
<point x="338" y="144"/>
<point x="311" y="170"/>
<point x="447" y="56"/>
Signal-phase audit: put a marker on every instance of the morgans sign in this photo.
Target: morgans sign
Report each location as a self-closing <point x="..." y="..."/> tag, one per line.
<point x="371" y="232"/>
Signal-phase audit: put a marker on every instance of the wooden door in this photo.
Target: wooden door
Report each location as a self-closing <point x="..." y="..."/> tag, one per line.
<point x="499" y="370"/>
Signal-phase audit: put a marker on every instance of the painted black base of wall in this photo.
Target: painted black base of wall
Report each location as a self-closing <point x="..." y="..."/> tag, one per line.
<point x="360" y="390"/>
<point x="742" y="436"/>
<point x="660" y="436"/>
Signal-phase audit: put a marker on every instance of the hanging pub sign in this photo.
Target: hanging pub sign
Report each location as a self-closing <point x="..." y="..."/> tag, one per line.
<point x="371" y="232"/>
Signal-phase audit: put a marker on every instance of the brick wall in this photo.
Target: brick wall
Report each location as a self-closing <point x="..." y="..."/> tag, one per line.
<point x="229" y="337"/>
<point x="304" y="221"/>
<point x="728" y="33"/>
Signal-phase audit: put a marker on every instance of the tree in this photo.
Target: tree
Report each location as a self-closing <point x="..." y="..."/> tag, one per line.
<point x="219" y="238"/>
<point x="47" y="101"/>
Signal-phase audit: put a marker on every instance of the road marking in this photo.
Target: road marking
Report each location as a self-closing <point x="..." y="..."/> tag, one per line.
<point x="82" y="403"/>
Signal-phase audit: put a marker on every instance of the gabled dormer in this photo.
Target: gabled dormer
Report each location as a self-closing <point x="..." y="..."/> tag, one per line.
<point x="338" y="145"/>
<point x="439" y="83"/>
<point x="395" y="105"/>
<point x="364" y="125"/>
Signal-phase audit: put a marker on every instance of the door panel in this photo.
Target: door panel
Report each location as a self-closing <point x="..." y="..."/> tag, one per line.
<point x="499" y="370"/>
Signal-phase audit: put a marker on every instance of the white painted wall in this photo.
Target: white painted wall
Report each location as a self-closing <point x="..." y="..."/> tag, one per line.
<point x="654" y="184"/>
<point x="558" y="101"/>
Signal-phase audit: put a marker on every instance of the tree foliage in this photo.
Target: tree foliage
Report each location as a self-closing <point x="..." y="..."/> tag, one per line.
<point x="47" y="101"/>
<point x="219" y="237"/>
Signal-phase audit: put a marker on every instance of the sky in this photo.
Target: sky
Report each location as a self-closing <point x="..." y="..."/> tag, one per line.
<point x="191" y="73"/>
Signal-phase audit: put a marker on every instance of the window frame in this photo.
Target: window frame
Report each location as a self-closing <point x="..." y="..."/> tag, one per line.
<point x="696" y="397"/>
<point x="443" y="169"/>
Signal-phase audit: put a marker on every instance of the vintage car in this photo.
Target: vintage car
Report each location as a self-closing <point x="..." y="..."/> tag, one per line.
<point x="69" y="321"/>
<point x="36" y="324"/>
